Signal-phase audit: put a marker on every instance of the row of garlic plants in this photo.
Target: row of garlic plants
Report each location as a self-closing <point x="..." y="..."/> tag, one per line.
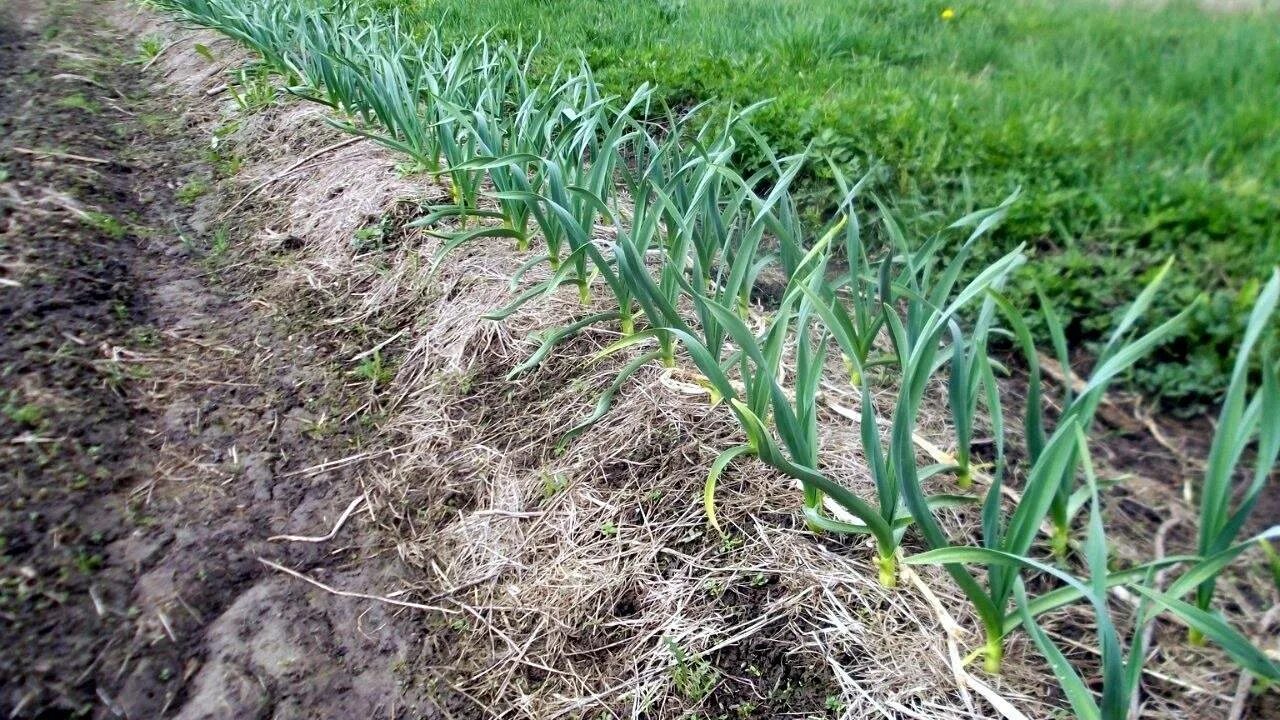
<point x="617" y="194"/>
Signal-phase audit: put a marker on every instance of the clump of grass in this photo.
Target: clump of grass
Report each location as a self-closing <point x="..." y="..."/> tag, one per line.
<point x="27" y="414"/>
<point x="77" y="101"/>
<point x="694" y="678"/>
<point x="252" y="91"/>
<point x="106" y="224"/>
<point x="192" y="190"/>
<point x="374" y="370"/>
<point x="219" y="244"/>
<point x="149" y="47"/>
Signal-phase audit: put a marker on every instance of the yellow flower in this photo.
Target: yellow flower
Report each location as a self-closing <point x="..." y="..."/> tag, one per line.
<point x="948" y="14"/>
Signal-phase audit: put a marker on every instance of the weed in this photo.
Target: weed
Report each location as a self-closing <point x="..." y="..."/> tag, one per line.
<point x="28" y="414"/>
<point x="219" y="244"/>
<point x="553" y="483"/>
<point x="729" y="543"/>
<point x="150" y="46"/>
<point x="154" y="121"/>
<point x="106" y="224"/>
<point x="191" y="191"/>
<point x="320" y="428"/>
<point x="411" y="168"/>
<point x="225" y="164"/>
<point x="374" y="370"/>
<point x="368" y="238"/>
<point x="88" y="563"/>
<point x="78" y="101"/>
<point x="252" y="90"/>
<point x="694" y="678"/>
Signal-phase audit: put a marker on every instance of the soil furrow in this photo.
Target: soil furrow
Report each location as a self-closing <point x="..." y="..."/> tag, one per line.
<point x="154" y="423"/>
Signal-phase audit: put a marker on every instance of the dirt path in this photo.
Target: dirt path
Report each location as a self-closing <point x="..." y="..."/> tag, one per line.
<point x="158" y="427"/>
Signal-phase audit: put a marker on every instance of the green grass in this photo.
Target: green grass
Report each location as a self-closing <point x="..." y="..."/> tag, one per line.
<point x="191" y="191"/>
<point x="1135" y="133"/>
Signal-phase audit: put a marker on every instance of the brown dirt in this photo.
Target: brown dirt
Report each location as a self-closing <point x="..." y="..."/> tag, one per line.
<point x="157" y="427"/>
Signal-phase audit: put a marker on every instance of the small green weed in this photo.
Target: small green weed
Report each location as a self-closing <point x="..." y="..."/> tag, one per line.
<point x="154" y="121"/>
<point x="374" y="370"/>
<point x="253" y="90"/>
<point x="694" y="678"/>
<point x="410" y="168"/>
<point x="368" y="238"/>
<point x="106" y="224"/>
<point x="553" y="483"/>
<point x="149" y="47"/>
<point x="729" y="543"/>
<point x="320" y="428"/>
<point x="219" y="243"/>
<point x="28" y="414"/>
<point x="228" y="165"/>
<point x="191" y="191"/>
<point x="88" y="563"/>
<point x="78" y="101"/>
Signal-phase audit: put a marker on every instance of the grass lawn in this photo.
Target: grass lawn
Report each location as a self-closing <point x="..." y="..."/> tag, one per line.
<point x="1135" y="133"/>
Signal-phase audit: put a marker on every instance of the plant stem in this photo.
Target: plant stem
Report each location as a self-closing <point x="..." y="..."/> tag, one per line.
<point x="626" y="320"/>
<point x="1060" y="541"/>
<point x="1195" y="637"/>
<point x="993" y="653"/>
<point x="522" y="239"/>
<point x="667" y="345"/>
<point x="812" y="501"/>
<point x="855" y="377"/>
<point x="888" y="566"/>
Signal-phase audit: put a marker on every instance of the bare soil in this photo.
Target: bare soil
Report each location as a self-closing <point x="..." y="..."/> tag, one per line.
<point x="158" y="427"/>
